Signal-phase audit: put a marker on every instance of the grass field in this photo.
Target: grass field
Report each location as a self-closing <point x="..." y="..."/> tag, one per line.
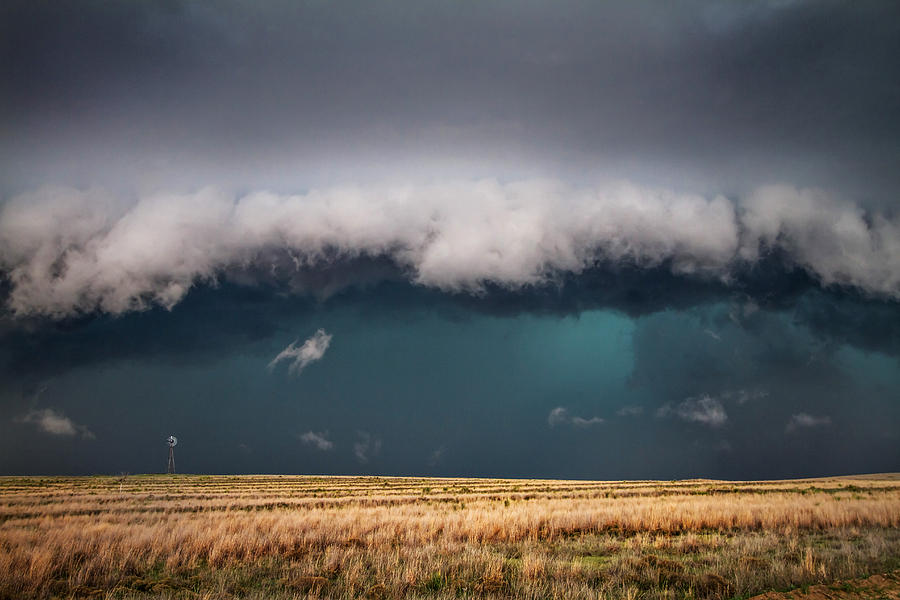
<point x="279" y="537"/>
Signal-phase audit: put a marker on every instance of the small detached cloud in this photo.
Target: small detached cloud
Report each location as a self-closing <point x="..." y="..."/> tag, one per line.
<point x="437" y="456"/>
<point x="52" y="422"/>
<point x="806" y="421"/>
<point x="318" y="440"/>
<point x="705" y="410"/>
<point x="366" y="446"/>
<point x="557" y="416"/>
<point x="585" y="423"/>
<point x="560" y="416"/>
<point x="298" y="357"/>
<point x="630" y="410"/>
<point x="713" y="334"/>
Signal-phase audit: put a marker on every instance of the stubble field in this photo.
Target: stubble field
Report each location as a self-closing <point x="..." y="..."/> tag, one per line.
<point x="282" y="537"/>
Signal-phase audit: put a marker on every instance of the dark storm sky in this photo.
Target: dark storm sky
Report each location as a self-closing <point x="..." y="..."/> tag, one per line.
<point x="604" y="240"/>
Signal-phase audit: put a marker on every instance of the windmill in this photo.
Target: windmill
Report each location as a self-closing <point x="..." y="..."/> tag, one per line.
<point x="171" y="440"/>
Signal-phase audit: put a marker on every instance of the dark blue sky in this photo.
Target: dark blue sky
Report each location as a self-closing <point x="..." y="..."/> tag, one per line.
<point x="507" y="239"/>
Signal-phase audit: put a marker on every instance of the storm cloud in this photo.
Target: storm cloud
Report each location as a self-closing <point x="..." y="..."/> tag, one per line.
<point x="711" y="96"/>
<point x="521" y="221"/>
<point x="68" y="252"/>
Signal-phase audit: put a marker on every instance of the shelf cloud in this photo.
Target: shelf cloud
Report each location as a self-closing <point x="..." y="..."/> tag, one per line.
<point x="66" y="252"/>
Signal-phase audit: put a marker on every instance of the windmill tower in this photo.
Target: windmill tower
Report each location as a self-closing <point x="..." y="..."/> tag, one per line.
<point x="171" y="440"/>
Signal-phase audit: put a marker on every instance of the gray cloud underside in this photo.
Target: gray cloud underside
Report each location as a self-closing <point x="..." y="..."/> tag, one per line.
<point x="723" y="95"/>
<point x="66" y="252"/>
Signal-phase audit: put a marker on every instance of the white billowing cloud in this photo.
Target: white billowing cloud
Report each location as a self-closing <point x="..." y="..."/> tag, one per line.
<point x="67" y="251"/>
<point x="55" y="423"/>
<point x="298" y="357"/>
<point x="318" y="440"/>
<point x="832" y="240"/>
<point x="366" y="446"/>
<point x="560" y="416"/>
<point x="705" y="410"/>
<point x="804" y="420"/>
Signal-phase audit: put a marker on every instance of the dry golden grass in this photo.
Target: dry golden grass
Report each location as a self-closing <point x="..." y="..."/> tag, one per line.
<point x="286" y="537"/>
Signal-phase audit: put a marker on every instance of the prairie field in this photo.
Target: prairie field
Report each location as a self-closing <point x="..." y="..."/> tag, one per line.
<point x="185" y="536"/>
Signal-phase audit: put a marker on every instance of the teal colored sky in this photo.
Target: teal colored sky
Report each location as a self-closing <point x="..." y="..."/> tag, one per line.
<point x="448" y="392"/>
